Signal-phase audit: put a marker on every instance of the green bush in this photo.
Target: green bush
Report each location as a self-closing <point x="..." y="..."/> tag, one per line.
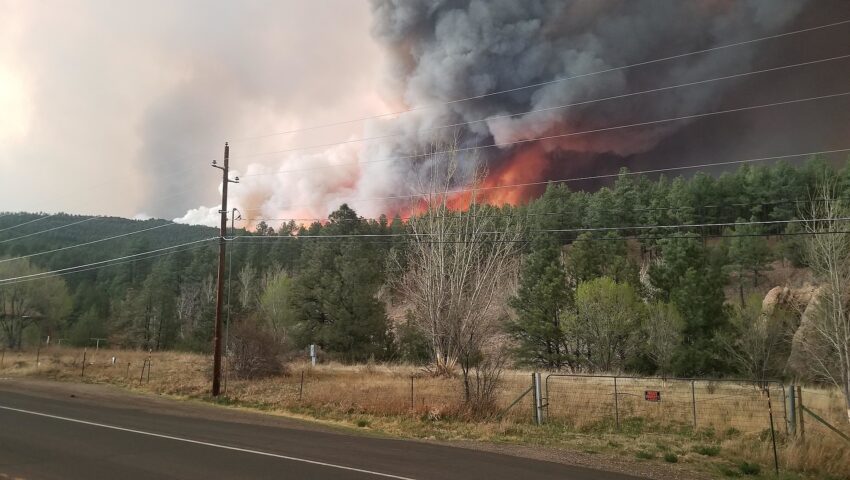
<point x="749" y="468"/>
<point x="671" y="457"/>
<point x="644" y="455"/>
<point x="707" y="450"/>
<point x="730" y="472"/>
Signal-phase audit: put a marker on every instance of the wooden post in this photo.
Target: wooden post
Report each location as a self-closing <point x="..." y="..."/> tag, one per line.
<point x="694" y="403"/>
<point x="802" y="415"/>
<point x="616" y="404"/>
<point x="301" y="387"/>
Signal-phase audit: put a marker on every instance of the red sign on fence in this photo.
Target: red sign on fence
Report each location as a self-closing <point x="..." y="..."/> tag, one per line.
<point x="652" y="395"/>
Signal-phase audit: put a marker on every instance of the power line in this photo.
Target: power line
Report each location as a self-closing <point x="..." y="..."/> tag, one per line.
<point x="39" y="219"/>
<point x="87" y="243"/>
<point x="48" y="230"/>
<point x="564" y="135"/>
<point x="524" y="240"/>
<point x="107" y="266"/>
<point x="562" y="213"/>
<point x="548" y="109"/>
<point x="680" y="235"/>
<point x="592" y="177"/>
<point x="4" y="281"/>
<point x="549" y="82"/>
<point x="559" y="230"/>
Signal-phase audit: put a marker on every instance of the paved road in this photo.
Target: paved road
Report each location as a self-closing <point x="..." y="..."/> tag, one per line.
<point x="67" y="436"/>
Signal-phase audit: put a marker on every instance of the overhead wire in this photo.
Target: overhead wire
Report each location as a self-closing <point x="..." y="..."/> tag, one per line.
<point x="679" y="235"/>
<point x="587" y="177"/>
<point x="372" y="237"/>
<point x="549" y="109"/>
<point x="92" y="242"/>
<point x="49" y="230"/>
<point x="455" y="151"/>
<point x="4" y="281"/>
<point x="560" y="213"/>
<point x="571" y="230"/>
<point x="549" y="82"/>
<point x="39" y="219"/>
<point x="124" y="262"/>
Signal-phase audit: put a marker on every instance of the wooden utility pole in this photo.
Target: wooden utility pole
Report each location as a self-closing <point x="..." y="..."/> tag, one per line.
<point x="222" y="246"/>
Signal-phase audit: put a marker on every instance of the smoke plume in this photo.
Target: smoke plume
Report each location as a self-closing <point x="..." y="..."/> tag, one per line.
<point x="442" y="50"/>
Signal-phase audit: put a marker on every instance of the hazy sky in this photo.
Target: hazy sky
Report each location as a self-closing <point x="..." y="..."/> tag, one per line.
<point x="117" y="107"/>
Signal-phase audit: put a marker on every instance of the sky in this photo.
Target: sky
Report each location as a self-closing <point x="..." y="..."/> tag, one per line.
<point x="118" y="107"/>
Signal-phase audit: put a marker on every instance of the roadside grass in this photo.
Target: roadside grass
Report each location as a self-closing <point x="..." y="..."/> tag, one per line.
<point x="377" y="398"/>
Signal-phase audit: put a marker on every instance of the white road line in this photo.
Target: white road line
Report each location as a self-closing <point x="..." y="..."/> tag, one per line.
<point x="207" y="444"/>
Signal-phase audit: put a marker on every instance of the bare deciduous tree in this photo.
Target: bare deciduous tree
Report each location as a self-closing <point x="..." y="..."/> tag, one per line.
<point x="460" y="262"/>
<point x="248" y="294"/>
<point x="188" y="305"/>
<point x="22" y="303"/>
<point x="607" y="314"/>
<point x="275" y="303"/>
<point x="663" y="327"/>
<point x="825" y="340"/>
<point x="758" y="342"/>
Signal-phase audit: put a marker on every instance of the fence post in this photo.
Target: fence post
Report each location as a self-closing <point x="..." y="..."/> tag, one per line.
<point x="694" y="402"/>
<point x="772" y="431"/>
<point x="142" y="374"/>
<point x="37" y="356"/>
<point x="83" y="372"/>
<point x="791" y="409"/>
<point x="128" y="371"/>
<point x="802" y="416"/>
<point x="2" y="357"/>
<point x="538" y="395"/>
<point x="412" y="404"/>
<point x="616" y="404"/>
<point x="301" y="387"/>
<point x="534" y="400"/>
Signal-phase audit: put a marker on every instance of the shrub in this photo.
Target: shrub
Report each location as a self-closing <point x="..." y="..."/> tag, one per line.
<point x="254" y="351"/>
<point x="644" y="455"/>
<point x="707" y="450"/>
<point x="730" y="472"/>
<point x="671" y="457"/>
<point x="749" y="468"/>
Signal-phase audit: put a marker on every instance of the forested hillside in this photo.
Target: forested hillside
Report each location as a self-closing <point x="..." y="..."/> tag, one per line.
<point x="619" y="256"/>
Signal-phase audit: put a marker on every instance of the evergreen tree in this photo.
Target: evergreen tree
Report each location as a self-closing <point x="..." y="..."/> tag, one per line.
<point x="690" y="276"/>
<point x="542" y="297"/>
<point x="335" y="295"/>
<point x="748" y="254"/>
<point x="593" y="256"/>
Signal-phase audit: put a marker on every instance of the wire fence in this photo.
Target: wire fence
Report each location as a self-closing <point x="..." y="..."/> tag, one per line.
<point x="582" y="402"/>
<point x="651" y="404"/>
<point x="822" y="412"/>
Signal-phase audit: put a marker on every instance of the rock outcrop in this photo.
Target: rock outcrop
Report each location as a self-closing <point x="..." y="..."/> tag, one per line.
<point x="802" y="303"/>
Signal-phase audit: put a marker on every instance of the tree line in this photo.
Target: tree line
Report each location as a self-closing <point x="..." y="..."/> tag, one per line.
<point x="578" y="280"/>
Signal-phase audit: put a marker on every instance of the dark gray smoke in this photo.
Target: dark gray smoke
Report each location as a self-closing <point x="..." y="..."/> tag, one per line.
<point x="448" y="49"/>
<point x="443" y="50"/>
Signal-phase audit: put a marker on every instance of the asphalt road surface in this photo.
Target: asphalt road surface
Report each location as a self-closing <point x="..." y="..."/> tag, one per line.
<point x="59" y="435"/>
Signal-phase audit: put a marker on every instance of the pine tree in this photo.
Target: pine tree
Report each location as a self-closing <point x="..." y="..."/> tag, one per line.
<point x="543" y="295"/>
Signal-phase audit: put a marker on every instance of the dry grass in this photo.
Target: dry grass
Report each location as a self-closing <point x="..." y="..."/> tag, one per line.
<point x="732" y="422"/>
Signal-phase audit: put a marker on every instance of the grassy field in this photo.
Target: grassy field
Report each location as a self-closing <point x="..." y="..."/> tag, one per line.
<point x="729" y="435"/>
